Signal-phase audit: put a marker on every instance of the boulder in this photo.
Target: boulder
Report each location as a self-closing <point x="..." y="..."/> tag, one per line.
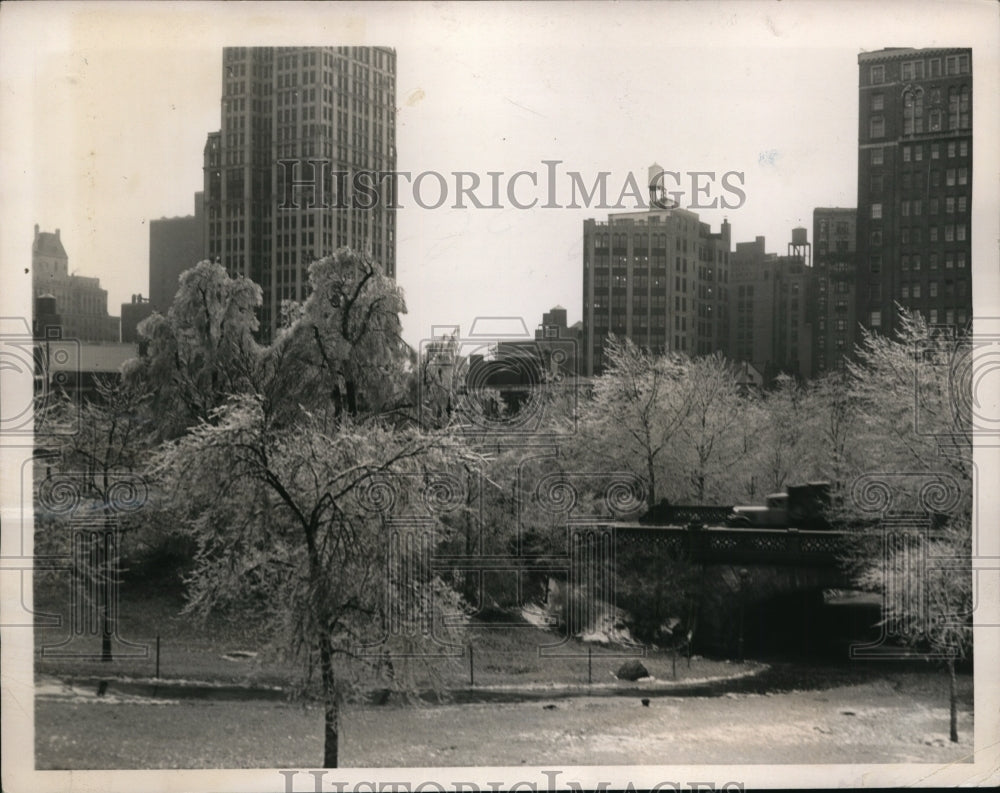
<point x="631" y="670"/>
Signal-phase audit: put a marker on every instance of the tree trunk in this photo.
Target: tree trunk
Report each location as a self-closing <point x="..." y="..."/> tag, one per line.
<point x="954" y="700"/>
<point x="651" y="496"/>
<point x="106" y="552"/>
<point x="331" y="715"/>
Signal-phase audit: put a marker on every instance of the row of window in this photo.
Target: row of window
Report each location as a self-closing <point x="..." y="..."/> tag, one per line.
<point x="958" y="117"/>
<point x="948" y="66"/>
<point x="951" y="260"/>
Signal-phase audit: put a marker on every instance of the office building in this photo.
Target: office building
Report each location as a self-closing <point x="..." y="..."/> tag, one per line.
<point x="132" y="314"/>
<point x="80" y="302"/>
<point x="914" y="185"/>
<point x="175" y="245"/>
<point x="769" y="324"/>
<point x="298" y="124"/>
<point x="832" y="296"/>
<point x="658" y="277"/>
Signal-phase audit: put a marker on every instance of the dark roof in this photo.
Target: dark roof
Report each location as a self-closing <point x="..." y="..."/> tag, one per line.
<point x="48" y="244"/>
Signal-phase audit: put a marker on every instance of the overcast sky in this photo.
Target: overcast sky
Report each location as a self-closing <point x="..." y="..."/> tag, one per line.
<point x="106" y="113"/>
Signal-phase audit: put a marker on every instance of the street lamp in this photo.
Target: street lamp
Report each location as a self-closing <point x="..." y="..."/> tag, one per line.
<point x="744" y="575"/>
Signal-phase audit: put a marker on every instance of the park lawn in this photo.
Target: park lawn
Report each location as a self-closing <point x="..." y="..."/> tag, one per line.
<point x="502" y="654"/>
<point x="899" y="717"/>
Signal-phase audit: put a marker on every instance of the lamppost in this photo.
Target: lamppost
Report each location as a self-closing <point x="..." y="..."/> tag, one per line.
<point x="744" y="574"/>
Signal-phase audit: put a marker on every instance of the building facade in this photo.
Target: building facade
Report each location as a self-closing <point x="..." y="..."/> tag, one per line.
<point x="132" y="314"/>
<point x="769" y="323"/>
<point x="914" y="186"/>
<point x="80" y="302"/>
<point x="832" y="296"/>
<point x="659" y="278"/>
<point x="299" y="124"/>
<point x="175" y="245"/>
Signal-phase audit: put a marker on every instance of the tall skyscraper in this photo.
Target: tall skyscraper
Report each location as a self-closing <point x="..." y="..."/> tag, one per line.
<point x="658" y="277"/>
<point x="298" y="125"/>
<point x="914" y="185"/>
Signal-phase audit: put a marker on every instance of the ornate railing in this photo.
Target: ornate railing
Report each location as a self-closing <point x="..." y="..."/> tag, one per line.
<point x="737" y="545"/>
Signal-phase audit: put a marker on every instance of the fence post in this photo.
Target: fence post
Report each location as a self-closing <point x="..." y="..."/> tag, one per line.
<point x="472" y="666"/>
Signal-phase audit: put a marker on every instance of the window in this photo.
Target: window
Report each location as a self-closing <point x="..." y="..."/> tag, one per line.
<point x="918" y="207"/>
<point x="949" y="206"/>
<point x="904" y="209"/>
<point x="877" y="127"/>
<point x="876" y="183"/>
<point x="963" y="148"/>
<point x="932" y="233"/>
<point x="935" y="151"/>
<point x="913" y="113"/>
<point x="916" y="290"/>
<point x="875" y="263"/>
<point x="877" y="75"/>
<point x="933" y="316"/>
<point x="877" y="156"/>
<point x="876" y="211"/>
<point x="951" y="149"/>
<point x="963" y="204"/>
<point x="878" y="101"/>
<point x="934" y="67"/>
<point x="963" y="175"/>
<point x="875" y="320"/>
<point x="949" y="233"/>
<point x="960" y="232"/>
<point x="904" y="262"/>
<point x="950" y="177"/>
<point x="933" y="261"/>
<point x="907" y="153"/>
<point x="876" y="237"/>
<point x="904" y="291"/>
<point x="916" y="261"/>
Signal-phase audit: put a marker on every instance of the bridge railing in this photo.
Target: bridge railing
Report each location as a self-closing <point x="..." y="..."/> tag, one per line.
<point x="738" y="545"/>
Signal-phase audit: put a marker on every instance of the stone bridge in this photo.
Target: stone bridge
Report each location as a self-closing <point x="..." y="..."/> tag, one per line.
<point x="764" y="585"/>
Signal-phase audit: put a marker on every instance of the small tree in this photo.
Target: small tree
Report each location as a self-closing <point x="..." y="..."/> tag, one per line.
<point x="202" y="351"/>
<point x="710" y="440"/>
<point x="321" y="574"/>
<point x="637" y="408"/>
<point x="940" y="621"/>
<point x="111" y="437"/>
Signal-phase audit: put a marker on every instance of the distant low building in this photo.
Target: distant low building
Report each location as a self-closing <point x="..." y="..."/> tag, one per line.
<point x="175" y="245"/>
<point x="132" y="314"/>
<point x="81" y="303"/>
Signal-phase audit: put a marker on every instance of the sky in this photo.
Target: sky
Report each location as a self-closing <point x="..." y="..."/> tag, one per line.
<point x="109" y="109"/>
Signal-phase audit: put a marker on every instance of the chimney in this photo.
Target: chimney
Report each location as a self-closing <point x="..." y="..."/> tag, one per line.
<point x="57" y="233"/>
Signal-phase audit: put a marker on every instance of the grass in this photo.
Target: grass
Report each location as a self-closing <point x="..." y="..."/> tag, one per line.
<point x="503" y="654"/>
<point x="893" y="710"/>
